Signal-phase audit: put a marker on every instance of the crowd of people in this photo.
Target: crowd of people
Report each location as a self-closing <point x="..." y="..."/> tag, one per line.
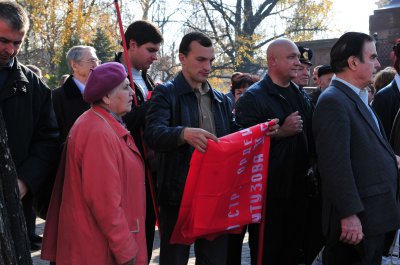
<point x="117" y="158"/>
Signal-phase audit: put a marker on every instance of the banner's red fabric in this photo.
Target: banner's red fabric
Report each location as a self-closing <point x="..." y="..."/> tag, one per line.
<point x="225" y="186"/>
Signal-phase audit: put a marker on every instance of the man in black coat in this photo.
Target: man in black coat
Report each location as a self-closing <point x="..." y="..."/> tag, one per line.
<point x="143" y="43"/>
<point x="277" y="97"/>
<point x="386" y="104"/>
<point x="359" y="171"/>
<point x="27" y="109"/>
<point x="183" y="114"/>
<point x="67" y="100"/>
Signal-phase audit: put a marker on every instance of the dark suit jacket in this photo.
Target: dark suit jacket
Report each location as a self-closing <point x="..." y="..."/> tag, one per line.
<point x="357" y="165"/>
<point x="68" y="105"/>
<point x="386" y="104"/>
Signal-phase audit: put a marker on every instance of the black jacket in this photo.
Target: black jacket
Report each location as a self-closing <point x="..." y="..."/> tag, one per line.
<point x="31" y="126"/>
<point x="261" y="102"/>
<point x="135" y="119"/>
<point x="173" y="107"/>
<point x="68" y="105"/>
<point x="386" y="104"/>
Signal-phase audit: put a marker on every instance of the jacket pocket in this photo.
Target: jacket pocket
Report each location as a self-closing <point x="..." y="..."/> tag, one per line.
<point x="135" y="228"/>
<point x="373" y="190"/>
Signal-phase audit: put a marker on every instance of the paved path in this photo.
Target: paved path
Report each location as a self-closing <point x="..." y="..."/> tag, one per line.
<point x="156" y="250"/>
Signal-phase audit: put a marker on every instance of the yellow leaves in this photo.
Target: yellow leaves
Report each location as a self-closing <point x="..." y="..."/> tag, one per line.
<point x="308" y="18"/>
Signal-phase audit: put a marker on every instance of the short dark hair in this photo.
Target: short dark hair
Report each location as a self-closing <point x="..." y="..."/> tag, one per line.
<point x="14" y="14"/>
<point x="200" y="37"/>
<point x="143" y="31"/>
<point x="349" y="44"/>
<point x="243" y="79"/>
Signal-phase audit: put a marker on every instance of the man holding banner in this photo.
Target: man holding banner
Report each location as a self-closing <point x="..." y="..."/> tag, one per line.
<point x="184" y="113"/>
<point x="276" y="96"/>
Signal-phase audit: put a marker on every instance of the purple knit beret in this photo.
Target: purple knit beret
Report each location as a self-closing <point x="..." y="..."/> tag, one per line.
<point x="102" y="80"/>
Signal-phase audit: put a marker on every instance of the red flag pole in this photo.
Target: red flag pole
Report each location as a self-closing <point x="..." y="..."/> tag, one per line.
<point x="128" y="66"/>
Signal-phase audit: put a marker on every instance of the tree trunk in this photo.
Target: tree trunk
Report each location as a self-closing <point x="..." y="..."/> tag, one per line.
<point x="14" y="242"/>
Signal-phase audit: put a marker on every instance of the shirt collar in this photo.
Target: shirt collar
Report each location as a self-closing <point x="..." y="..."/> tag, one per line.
<point x="8" y="65"/>
<point x="363" y="94"/>
<point x="397" y="80"/>
<point x="79" y="84"/>
<point x="205" y="88"/>
<point x="136" y="72"/>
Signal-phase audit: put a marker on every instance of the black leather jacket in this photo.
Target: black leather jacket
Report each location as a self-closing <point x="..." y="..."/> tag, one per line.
<point x="287" y="169"/>
<point x="172" y="108"/>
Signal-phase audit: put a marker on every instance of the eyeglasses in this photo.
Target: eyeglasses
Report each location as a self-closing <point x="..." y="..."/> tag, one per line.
<point x="92" y="61"/>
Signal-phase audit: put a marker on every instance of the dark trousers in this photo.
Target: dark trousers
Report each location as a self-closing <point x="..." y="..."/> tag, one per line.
<point x="284" y="228"/>
<point x="150" y="222"/>
<point x="236" y="243"/>
<point x="207" y="252"/>
<point x="313" y="238"/>
<point x="367" y="252"/>
<point x="30" y="216"/>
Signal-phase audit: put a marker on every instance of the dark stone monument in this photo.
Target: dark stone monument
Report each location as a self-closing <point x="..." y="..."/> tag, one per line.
<point x="384" y="25"/>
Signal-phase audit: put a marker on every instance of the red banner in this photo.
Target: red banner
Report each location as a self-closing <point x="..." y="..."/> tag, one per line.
<point x="225" y="186"/>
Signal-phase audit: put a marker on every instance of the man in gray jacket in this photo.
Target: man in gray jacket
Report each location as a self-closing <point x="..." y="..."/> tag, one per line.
<point x="359" y="171"/>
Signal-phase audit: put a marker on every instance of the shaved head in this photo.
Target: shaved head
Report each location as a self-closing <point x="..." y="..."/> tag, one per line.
<point x="277" y="46"/>
<point x="283" y="61"/>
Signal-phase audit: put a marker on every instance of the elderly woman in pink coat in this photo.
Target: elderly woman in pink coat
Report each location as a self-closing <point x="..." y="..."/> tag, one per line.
<point x="97" y="214"/>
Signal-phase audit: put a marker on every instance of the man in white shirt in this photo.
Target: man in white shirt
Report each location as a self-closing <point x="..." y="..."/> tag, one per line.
<point x="143" y="40"/>
<point x="67" y="100"/>
<point x="358" y="169"/>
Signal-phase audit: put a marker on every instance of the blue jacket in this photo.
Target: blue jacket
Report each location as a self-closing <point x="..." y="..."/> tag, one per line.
<point x="172" y="108"/>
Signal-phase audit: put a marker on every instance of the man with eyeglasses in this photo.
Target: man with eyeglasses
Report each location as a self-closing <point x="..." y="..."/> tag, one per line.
<point x="67" y="99"/>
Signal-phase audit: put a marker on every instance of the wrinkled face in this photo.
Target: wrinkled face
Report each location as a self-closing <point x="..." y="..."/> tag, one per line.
<point x="196" y="65"/>
<point x="10" y="42"/>
<point x="83" y="67"/>
<point x="141" y="57"/>
<point x="325" y="81"/>
<point x="287" y="61"/>
<point x="121" y="99"/>
<point x="367" y="69"/>
<point x="303" y="75"/>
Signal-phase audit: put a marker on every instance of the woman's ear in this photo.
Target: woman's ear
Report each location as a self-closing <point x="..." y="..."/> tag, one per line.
<point x="106" y="99"/>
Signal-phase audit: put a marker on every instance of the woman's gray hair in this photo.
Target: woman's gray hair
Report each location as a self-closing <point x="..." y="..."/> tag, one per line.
<point x="75" y="54"/>
<point x="15" y="15"/>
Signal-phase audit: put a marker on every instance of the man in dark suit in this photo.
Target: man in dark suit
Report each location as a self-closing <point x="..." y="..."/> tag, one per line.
<point x="387" y="101"/>
<point x="359" y="171"/>
<point x="67" y="99"/>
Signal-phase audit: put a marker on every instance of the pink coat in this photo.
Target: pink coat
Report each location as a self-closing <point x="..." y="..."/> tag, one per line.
<point x="101" y="216"/>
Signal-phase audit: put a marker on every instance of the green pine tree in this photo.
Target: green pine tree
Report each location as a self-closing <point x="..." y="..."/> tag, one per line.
<point x="103" y="45"/>
<point x="63" y="65"/>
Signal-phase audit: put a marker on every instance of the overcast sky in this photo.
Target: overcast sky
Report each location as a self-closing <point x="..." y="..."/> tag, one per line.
<point x="351" y="15"/>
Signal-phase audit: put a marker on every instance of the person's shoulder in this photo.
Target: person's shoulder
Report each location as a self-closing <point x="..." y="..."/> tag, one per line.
<point x="35" y="83"/>
<point x="385" y="92"/>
